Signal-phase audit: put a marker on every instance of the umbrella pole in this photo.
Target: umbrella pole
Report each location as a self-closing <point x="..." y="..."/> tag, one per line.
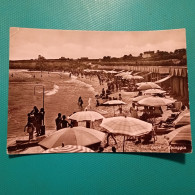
<point x="124" y="144"/>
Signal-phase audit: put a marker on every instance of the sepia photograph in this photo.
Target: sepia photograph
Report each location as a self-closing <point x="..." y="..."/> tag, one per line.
<point x="74" y="91"/>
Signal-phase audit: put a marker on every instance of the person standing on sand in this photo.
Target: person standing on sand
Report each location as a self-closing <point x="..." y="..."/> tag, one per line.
<point x="80" y="102"/>
<point x="30" y="127"/>
<point x="64" y="122"/>
<point x="133" y="111"/>
<point x="58" y="122"/>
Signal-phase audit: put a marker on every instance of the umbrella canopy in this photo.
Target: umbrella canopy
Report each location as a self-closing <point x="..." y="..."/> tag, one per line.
<point x="69" y="149"/>
<point x="123" y="73"/>
<point x="73" y="136"/>
<point x="148" y="85"/>
<point x="126" y="126"/>
<point x="183" y="119"/>
<point x="114" y="103"/>
<point x="155" y="101"/>
<point x="137" y="77"/>
<point x="112" y="72"/>
<point x="136" y="99"/>
<point x="180" y="134"/>
<point x="127" y="76"/>
<point x="154" y="91"/>
<point x="86" y="116"/>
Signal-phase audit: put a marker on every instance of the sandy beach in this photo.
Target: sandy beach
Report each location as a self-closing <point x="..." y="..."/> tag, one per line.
<point x="93" y="87"/>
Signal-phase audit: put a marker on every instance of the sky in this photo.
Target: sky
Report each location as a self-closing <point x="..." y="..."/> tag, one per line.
<point x="28" y="43"/>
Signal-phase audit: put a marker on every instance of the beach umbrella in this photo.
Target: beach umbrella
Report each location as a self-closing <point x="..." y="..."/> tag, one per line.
<point x="148" y="85"/>
<point x="155" y="101"/>
<point x="127" y="126"/>
<point x="180" y="140"/>
<point x="86" y="116"/>
<point x="182" y="133"/>
<point x="123" y="73"/>
<point x="127" y="77"/>
<point x="112" y="72"/>
<point x="136" y="99"/>
<point x="183" y="119"/>
<point x="69" y="149"/>
<point x="154" y="91"/>
<point x="73" y="136"/>
<point x="114" y="103"/>
<point x="137" y="77"/>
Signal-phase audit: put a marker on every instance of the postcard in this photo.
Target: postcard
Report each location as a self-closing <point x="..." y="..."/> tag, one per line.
<point x="98" y="91"/>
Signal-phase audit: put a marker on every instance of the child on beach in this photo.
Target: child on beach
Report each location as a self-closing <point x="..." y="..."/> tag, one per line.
<point x="30" y="130"/>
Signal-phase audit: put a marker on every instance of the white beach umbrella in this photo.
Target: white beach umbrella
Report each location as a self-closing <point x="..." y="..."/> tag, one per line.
<point x="148" y="85"/>
<point x="86" y="116"/>
<point x="114" y="103"/>
<point x="136" y="99"/>
<point x="155" y="101"/>
<point x="154" y="91"/>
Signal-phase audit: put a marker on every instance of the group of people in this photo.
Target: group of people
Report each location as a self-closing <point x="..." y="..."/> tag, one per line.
<point x="61" y="122"/>
<point x="35" y="122"/>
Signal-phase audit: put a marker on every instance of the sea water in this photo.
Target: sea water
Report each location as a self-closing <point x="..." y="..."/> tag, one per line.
<point x="61" y="95"/>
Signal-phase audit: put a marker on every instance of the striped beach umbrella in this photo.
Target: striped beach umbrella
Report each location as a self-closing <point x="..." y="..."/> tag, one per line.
<point x="73" y="136"/>
<point x="183" y="119"/>
<point x="69" y="149"/>
<point x="126" y="126"/>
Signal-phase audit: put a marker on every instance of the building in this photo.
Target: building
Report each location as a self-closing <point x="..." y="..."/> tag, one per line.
<point x="148" y="54"/>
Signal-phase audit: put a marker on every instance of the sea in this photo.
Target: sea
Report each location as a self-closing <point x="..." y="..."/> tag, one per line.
<point x="61" y="93"/>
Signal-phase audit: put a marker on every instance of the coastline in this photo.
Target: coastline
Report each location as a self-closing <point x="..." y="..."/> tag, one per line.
<point x="107" y="111"/>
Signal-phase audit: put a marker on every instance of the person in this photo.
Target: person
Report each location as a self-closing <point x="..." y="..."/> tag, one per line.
<point x="103" y="92"/>
<point x="64" y="122"/>
<point x="110" y="134"/>
<point x="113" y="149"/>
<point x="58" y="122"/>
<point x="80" y="102"/>
<point x="88" y="124"/>
<point x="30" y="129"/>
<point x="120" y="97"/>
<point x="39" y="120"/>
<point x="97" y="103"/>
<point x="133" y="111"/>
<point x="101" y="149"/>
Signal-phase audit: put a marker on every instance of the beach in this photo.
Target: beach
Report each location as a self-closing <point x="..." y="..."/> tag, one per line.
<point x="60" y="88"/>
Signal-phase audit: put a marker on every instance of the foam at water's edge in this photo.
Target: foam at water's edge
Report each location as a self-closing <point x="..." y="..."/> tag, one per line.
<point x="81" y="83"/>
<point x="53" y="91"/>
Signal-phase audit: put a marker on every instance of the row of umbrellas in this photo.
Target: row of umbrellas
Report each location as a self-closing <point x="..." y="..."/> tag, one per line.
<point x="82" y="136"/>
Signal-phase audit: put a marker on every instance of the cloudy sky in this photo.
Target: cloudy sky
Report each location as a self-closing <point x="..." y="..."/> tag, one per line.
<point x="26" y="43"/>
